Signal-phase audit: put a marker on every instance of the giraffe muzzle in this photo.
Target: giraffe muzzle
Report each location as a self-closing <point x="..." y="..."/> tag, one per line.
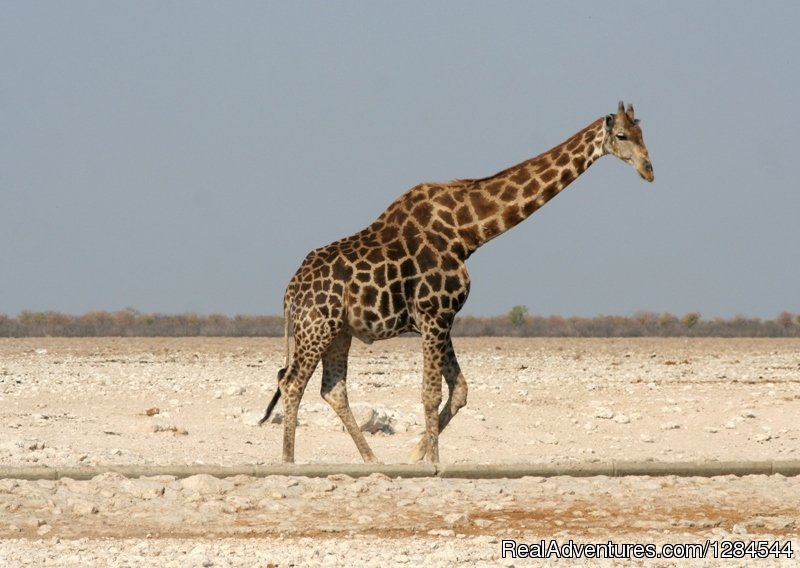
<point x="645" y="170"/>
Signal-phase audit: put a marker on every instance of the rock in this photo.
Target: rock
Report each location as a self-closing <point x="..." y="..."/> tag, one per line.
<point x="234" y="412"/>
<point x="44" y="529"/>
<point x="235" y="390"/>
<point x="82" y="508"/>
<point x="646" y="438"/>
<point x="198" y="557"/>
<point x="604" y="413"/>
<point x="670" y="426"/>
<point x="252" y="418"/>
<point x="455" y="519"/>
<point x="377" y="420"/>
<point x="621" y="419"/>
<point x="547" y="439"/>
<point x="711" y="429"/>
<point x="205" y="484"/>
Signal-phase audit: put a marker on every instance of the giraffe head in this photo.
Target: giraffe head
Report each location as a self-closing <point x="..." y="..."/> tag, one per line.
<point x="624" y="140"/>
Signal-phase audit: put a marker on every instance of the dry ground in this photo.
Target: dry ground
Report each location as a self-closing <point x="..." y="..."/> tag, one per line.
<point x="71" y="402"/>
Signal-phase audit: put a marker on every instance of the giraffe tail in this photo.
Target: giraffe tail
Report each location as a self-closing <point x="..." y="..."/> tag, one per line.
<point x="282" y="372"/>
<point x="274" y="401"/>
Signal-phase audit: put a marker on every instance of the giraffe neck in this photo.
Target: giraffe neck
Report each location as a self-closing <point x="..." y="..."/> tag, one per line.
<point x="500" y="202"/>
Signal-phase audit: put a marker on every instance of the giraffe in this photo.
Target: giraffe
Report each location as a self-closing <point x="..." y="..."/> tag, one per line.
<point x="406" y="273"/>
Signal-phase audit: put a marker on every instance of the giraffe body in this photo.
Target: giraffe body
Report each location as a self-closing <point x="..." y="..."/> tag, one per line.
<point x="406" y="272"/>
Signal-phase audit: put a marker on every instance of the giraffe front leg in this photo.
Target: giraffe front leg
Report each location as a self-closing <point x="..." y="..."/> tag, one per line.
<point x="457" y="399"/>
<point x="336" y="396"/>
<point x="433" y="354"/>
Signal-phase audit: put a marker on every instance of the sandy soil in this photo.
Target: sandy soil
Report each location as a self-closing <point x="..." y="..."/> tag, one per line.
<point x="189" y="401"/>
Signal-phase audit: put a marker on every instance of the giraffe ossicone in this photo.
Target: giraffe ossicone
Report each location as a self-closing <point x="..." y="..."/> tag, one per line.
<point x="406" y="272"/>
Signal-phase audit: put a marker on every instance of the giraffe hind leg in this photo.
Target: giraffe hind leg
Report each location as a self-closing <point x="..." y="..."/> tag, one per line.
<point x="311" y="341"/>
<point x="334" y="391"/>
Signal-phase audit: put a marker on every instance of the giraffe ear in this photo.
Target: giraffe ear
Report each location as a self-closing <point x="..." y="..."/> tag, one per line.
<point x="609" y="122"/>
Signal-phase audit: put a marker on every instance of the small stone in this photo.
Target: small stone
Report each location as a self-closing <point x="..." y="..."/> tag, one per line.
<point x="198" y="557"/>
<point x="455" y="519"/>
<point x="711" y="429"/>
<point x="377" y="421"/>
<point x="670" y="426"/>
<point x="739" y="529"/>
<point x="251" y="418"/>
<point x="152" y="411"/>
<point x="646" y="438"/>
<point x="234" y="412"/>
<point x="730" y="424"/>
<point x="548" y="439"/>
<point x="761" y="438"/>
<point x="604" y="412"/>
<point x="621" y="419"/>
<point x="235" y="390"/>
<point x="748" y="414"/>
<point x="84" y="508"/>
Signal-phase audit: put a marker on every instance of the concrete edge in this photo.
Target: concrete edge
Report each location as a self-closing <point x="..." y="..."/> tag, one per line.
<point x="464" y="471"/>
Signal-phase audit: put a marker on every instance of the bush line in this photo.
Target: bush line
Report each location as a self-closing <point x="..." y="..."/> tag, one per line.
<point x="517" y="323"/>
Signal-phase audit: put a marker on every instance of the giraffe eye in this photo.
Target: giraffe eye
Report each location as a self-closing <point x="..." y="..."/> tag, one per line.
<point x="621" y="136"/>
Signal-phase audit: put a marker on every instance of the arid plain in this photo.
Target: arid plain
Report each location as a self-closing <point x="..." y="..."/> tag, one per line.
<point x="113" y="401"/>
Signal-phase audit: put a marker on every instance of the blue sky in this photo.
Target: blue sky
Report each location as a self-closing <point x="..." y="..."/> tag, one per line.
<point x="185" y="156"/>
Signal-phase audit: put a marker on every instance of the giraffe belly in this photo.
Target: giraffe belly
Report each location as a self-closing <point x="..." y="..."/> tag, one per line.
<point x="370" y="327"/>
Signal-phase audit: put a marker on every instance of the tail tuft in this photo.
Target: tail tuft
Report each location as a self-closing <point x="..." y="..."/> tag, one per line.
<point x="274" y="400"/>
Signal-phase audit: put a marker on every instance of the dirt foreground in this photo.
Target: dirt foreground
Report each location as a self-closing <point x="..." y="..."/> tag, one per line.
<point x="105" y="402"/>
